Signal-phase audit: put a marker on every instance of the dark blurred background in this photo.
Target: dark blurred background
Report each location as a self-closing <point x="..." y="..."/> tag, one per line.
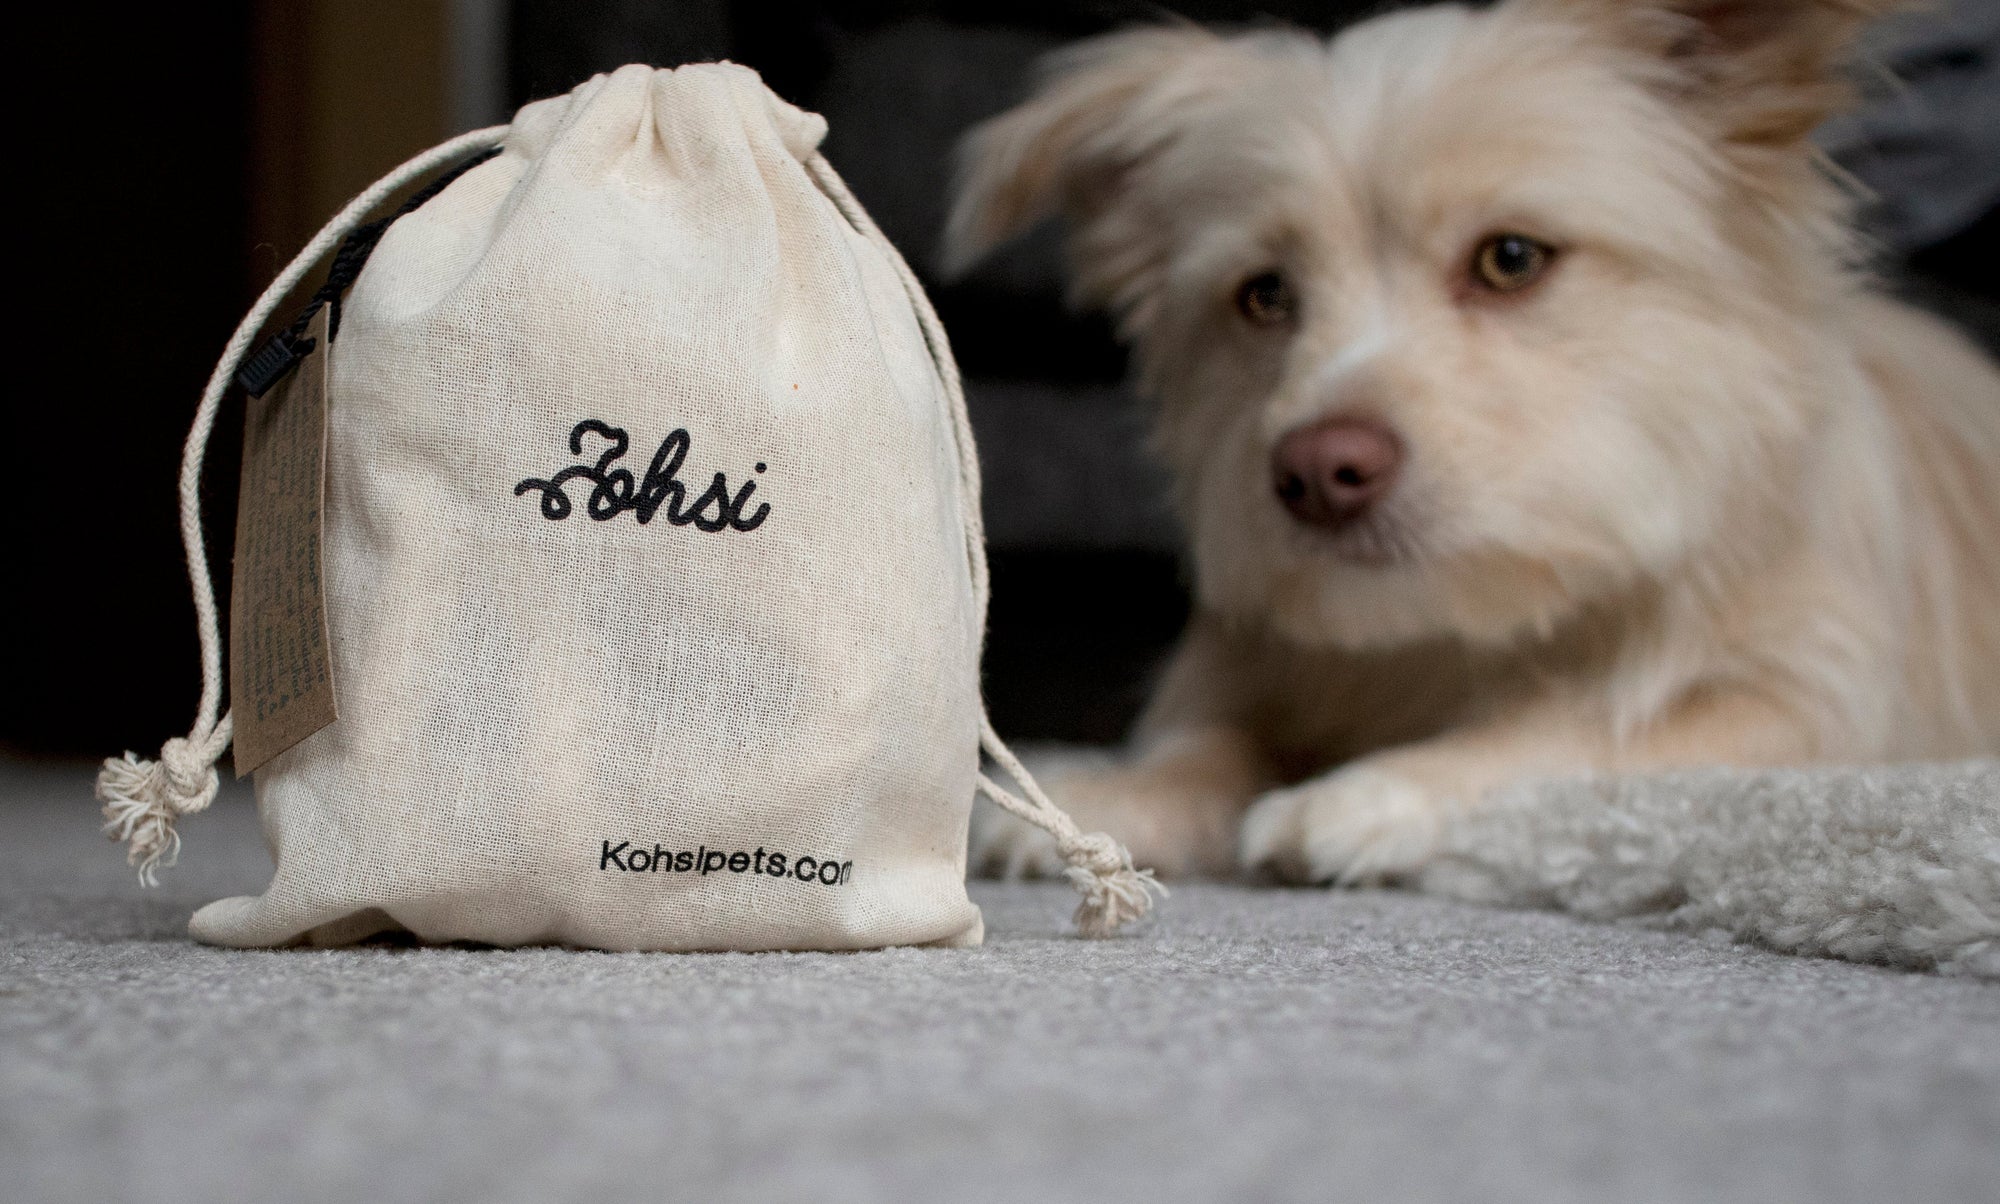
<point x="181" y="165"/>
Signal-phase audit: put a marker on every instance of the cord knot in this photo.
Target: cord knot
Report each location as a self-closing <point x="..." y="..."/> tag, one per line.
<point x="142" y="799"/>
<point x="190" y="772"/>
<point x="1093" y="852"/>
<point x="1115" y="892"/>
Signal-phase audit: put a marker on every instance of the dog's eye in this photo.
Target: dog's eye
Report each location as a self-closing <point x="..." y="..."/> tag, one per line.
<point x="1506" y="263"/>
<point x="1266" y="299"/>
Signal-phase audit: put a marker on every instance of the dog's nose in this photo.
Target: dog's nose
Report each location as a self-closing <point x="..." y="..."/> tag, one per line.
<point x="1328" y="474"/>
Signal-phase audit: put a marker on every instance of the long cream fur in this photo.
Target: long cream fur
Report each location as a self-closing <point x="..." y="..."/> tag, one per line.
<point x="1701" y="495"/>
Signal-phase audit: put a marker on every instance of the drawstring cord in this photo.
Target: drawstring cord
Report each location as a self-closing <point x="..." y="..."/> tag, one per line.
<point x="143" y="799"/>
<point x="1115" y="892"/>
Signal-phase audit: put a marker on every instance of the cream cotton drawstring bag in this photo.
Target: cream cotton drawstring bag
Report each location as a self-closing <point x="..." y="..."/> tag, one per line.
<point x="649" y="560"/>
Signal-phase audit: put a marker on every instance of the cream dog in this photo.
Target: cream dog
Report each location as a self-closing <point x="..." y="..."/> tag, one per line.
<point x="1529" y="415"/>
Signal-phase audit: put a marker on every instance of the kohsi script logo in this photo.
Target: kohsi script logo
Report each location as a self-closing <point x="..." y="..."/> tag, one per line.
<point x="615" y="490"/>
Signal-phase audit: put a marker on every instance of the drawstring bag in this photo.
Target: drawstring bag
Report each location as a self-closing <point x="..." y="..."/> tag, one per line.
<point x="609" y="569"/>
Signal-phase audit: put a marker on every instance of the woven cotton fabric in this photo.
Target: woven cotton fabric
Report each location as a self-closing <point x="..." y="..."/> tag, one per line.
<point x="562" y="698"/>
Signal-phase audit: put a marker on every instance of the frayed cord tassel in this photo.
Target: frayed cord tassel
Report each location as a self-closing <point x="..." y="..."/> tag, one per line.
<point x="1115" y="892"/>
<point x="142" y="799"/>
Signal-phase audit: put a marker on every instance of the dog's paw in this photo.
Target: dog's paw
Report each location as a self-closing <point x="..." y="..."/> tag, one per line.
<point x="1357" y="825"/>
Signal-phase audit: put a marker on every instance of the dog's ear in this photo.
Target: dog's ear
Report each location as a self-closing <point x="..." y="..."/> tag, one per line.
<point x="1100" y="108"/>
<point x="1760" y="73"/>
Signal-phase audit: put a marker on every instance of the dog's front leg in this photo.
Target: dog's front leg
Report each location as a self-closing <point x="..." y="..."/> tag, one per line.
<point x="1381" y="816"/>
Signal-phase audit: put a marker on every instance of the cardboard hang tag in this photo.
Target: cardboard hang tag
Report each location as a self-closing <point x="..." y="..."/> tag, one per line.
<point x="280" y="664"/>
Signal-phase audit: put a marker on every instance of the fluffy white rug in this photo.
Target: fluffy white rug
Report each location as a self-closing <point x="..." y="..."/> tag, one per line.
<point x="1896" y="865"/>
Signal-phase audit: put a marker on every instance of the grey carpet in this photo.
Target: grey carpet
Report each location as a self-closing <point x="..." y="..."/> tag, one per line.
<point x="1250" y="1044"/>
